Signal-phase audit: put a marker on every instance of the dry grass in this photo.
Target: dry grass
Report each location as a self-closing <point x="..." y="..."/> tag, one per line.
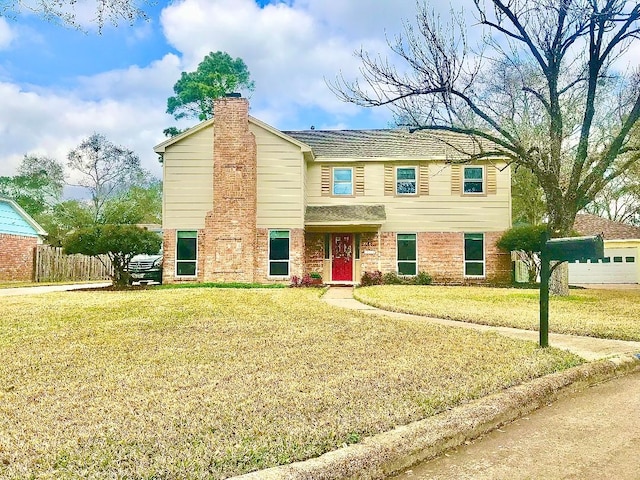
<point x="596" y="313"/>
<point x="203" y="383"/>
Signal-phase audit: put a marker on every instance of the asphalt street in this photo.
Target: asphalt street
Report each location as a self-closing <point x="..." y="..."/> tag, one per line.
<point x="593" y="434"/>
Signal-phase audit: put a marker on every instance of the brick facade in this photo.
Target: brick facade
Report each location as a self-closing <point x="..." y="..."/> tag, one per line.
<point x="232" y="249"/>
<point x="314" y="252"/>
<point x="440" y="254"/>
<point x="17" y="257"/>
<point x="169" y="261"/>
<point x="296" y="255"/>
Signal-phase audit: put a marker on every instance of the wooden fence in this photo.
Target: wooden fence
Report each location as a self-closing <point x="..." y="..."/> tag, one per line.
<point x="51" y="265"/>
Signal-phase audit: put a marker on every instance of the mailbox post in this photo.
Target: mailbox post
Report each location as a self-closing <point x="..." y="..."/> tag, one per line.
<point x="544" y="292"/>
<point x="562" y="250"/>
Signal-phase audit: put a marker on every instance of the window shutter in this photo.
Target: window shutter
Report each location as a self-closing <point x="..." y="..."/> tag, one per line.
<point x="389" y="188"/>
<point x="492" y="184"/>
<point x="325" y="180"/>
<point x="359" y="178"/>
<point x="423" y="188"/>
<point x="456" y="184"/>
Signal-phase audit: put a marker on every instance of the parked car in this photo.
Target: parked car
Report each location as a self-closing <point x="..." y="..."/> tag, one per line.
<point x="145" y="269"/>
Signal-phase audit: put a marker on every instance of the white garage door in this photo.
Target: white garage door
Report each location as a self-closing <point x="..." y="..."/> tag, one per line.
<point x="618" y="266"/>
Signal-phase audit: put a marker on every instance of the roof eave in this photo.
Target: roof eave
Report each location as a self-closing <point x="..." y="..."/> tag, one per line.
<point x="161" y="147"/>
<point x="35" y="225"/>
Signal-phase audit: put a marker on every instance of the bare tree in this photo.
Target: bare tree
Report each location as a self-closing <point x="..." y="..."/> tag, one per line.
<point x="63" y="11"/>
<point x="619" y="200"/>
<point x="104" y="169"/>
<point x="542" y="89"/>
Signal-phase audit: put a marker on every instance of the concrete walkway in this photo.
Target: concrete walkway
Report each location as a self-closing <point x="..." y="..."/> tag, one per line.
<point x="588" y="348"/>
<point x="16" y="291"/>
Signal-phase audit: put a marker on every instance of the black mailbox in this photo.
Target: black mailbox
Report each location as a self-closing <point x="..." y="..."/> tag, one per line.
<point x="575" y="248"/>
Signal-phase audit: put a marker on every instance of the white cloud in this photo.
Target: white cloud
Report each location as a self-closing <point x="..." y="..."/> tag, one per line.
<point x="291" y="48"/>
<point x="52" y="124"/>
<point x="7" y="35"/>
<point x="290" y="51"/>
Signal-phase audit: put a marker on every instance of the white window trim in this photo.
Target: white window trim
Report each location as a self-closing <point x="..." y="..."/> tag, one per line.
<point x="415" y="180"/>
<point x="333" y="181"/>
<point x="484" y="257"/>
<point x="406" y="261"/>
<point x="279" y="277"/>
<point x="483" y="179"/>
<point x="195" y="275"/>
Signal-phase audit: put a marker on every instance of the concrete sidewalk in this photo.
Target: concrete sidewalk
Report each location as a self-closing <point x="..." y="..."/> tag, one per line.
<point x="589" y="348"/>
<point x="17" y="291"/>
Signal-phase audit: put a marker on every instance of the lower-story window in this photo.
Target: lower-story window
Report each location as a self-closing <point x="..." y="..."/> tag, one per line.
<point x="474" y="255"/>
<point x="186" y="253"/>
<point x="407" y="258"/>
<point x="278" y="253"/>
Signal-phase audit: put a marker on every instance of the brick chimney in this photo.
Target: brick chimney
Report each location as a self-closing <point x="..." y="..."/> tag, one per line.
<point x="230" y="228"/>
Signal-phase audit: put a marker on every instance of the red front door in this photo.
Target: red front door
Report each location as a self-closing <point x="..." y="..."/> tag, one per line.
<point x="342" y="257"/>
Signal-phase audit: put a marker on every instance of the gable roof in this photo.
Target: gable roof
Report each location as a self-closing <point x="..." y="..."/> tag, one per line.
<point x="15" y="221"/>
<point x="387" y="143"/>
<point x="161" y="147"/>
<point x="587" y="224"/>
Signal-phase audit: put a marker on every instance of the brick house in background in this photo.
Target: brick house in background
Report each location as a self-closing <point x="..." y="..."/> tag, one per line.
<point x="19" y="235"/>
<point x="246" y="202"/>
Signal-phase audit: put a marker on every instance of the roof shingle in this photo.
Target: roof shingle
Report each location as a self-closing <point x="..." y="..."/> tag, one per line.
<point x="389" y="143"/>
<point x="587" y="224"/>
<point x="345" y="213"/>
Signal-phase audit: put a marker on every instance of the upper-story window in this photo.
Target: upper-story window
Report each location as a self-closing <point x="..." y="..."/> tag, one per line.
<point x="406" y="181"/>
<point x="473" y="180"/>
<point x="342" y="181"/>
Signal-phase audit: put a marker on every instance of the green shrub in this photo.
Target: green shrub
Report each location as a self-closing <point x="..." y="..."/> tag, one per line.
<point x="371" y="278"/>
<point x="422" y="278"/>
<point x="392" y="278"/>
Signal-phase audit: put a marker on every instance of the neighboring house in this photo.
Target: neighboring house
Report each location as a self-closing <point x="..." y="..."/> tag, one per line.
<point x="246" y="202"/>
<point x="19" y="235"/>
<point x="621" y="263"/>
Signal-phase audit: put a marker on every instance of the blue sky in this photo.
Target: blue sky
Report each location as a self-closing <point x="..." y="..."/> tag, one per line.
<point x="59" y="85"/>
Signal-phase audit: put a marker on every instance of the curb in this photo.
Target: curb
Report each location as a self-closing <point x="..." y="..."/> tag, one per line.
<point x="392" y="452"/>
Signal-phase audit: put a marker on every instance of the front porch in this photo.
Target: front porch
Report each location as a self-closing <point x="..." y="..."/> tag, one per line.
<point x="343" y="241"/>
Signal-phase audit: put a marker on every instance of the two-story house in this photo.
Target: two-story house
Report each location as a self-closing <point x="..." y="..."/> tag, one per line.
<point x="246" y="202"/>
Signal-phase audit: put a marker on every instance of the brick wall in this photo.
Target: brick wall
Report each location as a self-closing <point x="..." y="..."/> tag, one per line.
<point x="369" y="262"/>
<point x="498" y="262"/>
<point x="230" y="227"/>
<point x="169" y="259"/>
<point x="441" y="254"/>
<point x="297" y="265"/>
<point x="314" y="252"/>
<point x="17" y="257"/>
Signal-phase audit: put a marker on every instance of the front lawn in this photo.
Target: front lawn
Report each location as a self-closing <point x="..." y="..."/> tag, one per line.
<point x="210" y="383"/>
<point x="590" y="312"/>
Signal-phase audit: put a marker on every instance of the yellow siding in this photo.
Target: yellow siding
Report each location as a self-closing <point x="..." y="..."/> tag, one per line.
<point x="439" y="211"/>
<point x="280" y="181"/>
<point x="188" y="181"/>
